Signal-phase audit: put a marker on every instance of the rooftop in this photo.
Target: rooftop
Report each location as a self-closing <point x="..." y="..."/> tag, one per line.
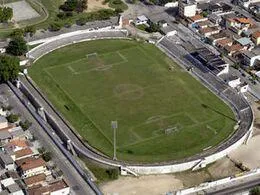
<point x="50" y="188"/>
<point x="142" y="18"/>
<point x="23" y="152"/>
<point x="208" y="29"/>
<point x="224" y="42"/>
<point x="3" y="119"/>
<point x="22" y="143"/>
<point x="6" y="158"/>
<point x="244" y="41"/>
<point x="256" y="34"/>
<point x="234" y="48"/>
<point x="34" y="179"/>
<point x="32" y="163"/>
<point x="197" y="17"/>
<point x="5" y="135"/>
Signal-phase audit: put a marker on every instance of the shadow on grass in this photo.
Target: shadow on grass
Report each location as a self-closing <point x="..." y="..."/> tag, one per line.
<point x="218" y="112"/>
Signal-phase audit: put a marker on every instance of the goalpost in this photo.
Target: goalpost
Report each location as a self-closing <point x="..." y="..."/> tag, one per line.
<point x="92" y="55"/>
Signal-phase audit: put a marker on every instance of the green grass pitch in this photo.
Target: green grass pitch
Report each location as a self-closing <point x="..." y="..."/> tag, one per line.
<point x="162" y="115"/>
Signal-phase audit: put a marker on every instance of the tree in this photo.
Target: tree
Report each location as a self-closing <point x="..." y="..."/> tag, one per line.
<point x="25" y="125"/>
<point x="55" y="26"/>
<point x="9" y="68"/>
<point x="46" y="156"/>
<point x="255" y="191"/>
<point x="30" y="30"/>
<point x="17" y="46"/>
<point x="17" y="33"/>
<point x="12" y="118"/>
<point x="6" y="13"/>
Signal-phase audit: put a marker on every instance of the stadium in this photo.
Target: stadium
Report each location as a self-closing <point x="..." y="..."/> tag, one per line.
<point x="164" y="115"/>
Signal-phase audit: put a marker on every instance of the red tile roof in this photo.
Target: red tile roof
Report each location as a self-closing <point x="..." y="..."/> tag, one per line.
<point x="23" y="152"/>
<point x="32" y="163"/>
<point x="35" y="179"/>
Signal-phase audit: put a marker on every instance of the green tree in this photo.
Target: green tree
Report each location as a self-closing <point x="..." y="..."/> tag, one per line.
<point x="6" y="13"/>
<point x="17" y="46"/>
<point x="9" y="68"/>
<point x="255" y="191"/>
<point x="12" y="118"/>
<point x="46" y="156"/>
<point x="18" y="32"/>
<point x="25" y="125"/>
<point x="30" y="30"/>
<point x="55" y="26"/>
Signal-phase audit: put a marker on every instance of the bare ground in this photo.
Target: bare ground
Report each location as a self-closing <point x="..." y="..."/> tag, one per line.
<point x="152" y="185"/>
<point x="248" y="154"/>
<point x="94" y="5"/>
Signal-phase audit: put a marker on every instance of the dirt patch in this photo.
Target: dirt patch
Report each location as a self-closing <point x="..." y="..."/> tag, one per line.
<point x="94" y="5"/>
<point x="152" y="185"/>
<point x="22" y="11"/>
<point x="223" y="168"/>
<point x="128" y="91"/>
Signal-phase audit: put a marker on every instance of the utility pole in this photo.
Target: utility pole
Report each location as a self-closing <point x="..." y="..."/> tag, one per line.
<point x="114" y="127"/>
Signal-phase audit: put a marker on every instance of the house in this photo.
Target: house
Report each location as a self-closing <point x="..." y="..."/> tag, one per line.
<point x="214" y="18"/>
<point x="256" y="37"/>
<point x="243" y="87"/>
<point x="206" y="32"/>
<point x="224" y="42"/>
<point x="23" y="153"/>
<point x="35" y="180"/>
<point x="217" y="37"/>
<point x="11" y="187"/>
<point x="239" y="24"/>
<point x="214" y="8"/>
<point x="231" y="50"/>
<point x="246" y="43"/>
<point x="16" y="144"/>
<point x="244" y="3"/>
<point x="204" y="24"/>
<point x="59" y="187"/>
<point x="250" y="58"/>
<point x="5" y="136"/>
<point x="197" y="18"/>
<point x="17" y="132"/>
<point x="141" y="20"/>
<point x="187" y="8"/>
<point x="233" y="81"/>
<point x="32" y="166"/>
<point x="163" y="23"/>
<point x="6" y="161"/>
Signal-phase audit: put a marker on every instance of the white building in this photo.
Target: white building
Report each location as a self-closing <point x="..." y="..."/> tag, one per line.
<point x="187" y="8"/>
<point x="250" y="58"/>
<point x="141" y="20"/>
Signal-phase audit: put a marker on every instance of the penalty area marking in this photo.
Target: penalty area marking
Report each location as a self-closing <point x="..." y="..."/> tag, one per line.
<point x="72" y="70"/>
<point x="90" y="55"/>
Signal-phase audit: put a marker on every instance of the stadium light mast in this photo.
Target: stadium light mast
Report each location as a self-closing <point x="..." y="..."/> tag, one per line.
<point x="114" y="126"/>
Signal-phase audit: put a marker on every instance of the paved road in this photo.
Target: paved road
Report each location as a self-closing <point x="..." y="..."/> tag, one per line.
<point x="79" y="186"/>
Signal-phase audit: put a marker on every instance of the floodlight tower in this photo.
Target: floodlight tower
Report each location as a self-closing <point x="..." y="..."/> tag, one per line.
<point x="114" y="126"/>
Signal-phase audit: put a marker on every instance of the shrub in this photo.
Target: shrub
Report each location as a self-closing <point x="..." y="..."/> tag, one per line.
<point x="12" y="118"/>
<point x="55" y="26"/>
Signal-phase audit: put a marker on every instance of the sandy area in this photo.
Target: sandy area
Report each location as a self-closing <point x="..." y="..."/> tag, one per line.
<point x="248" y="154"/>
<point x="152" y="185"/>
<point x="22" y="11"/>
<point x="94" y="5"/>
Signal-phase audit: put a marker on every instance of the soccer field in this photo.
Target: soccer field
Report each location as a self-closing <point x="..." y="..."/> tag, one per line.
<point x="162" y="115"/>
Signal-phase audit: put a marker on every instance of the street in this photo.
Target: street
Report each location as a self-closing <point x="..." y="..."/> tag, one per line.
<point x="78" y="185"/>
